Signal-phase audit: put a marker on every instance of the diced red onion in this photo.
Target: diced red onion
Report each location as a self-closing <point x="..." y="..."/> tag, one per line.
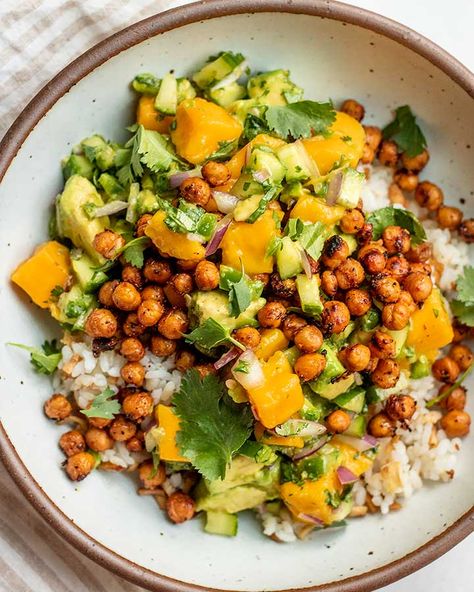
<point x="177" y="178"/>
<point x="358" y="443"/>
<point x="370" y="440"/>
<point x="229" y="355"/>
<point x="218" y="235"/>
<point x="309" y="450"/>
<point x="306" y="264"/>
<point x="300" y="427"/>
<point x="334" y="188"/>
<point x="254" y="376"/>
<point x="113" y="207"/>
<point x="225" y="202"/>
<point x="261" y="176"/>
<point x="346" y="476"/>
<point x="311" y="519"/>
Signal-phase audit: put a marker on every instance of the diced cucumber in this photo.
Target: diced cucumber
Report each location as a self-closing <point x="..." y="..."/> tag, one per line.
<point x="266" y="160"/>
<point x="357" y="427"/>
<point x="217" y="69"/>
<point x="185" y="89"/>
<point x="351" y="182"/>
<point x="111" y="186"/>
<point x="308" y="291"/>
<point x="97" y="150"/>
<point x="352" y="400"/>
<point x="221" y="523"/>
<point x="225" y="95"/>
<point x="89" y="278"/>
<point x="77" y="164"/>
<point x="420" y="368"/>
<point x="246" y="186"/>
<point x="297" y="162"/>
<point x="245" y="208"/>
<point x="167" y="97"/>
<point x="288" y="259"/>
<point x="274" y="88"/>
<point x="400" y="338"/>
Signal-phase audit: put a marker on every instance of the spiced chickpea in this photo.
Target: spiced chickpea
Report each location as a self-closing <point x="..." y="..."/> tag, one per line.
<point x="132" y="326"/>
<point x="396" y="316"/>
<point x="137" y="406"/>
<point x="355" y="358"/>
<point x="107" y="243"/>
<point x="385" y="288"/>
<point x="398" y="267"/>
<point x="329" y="283"/>
<point x="157" y="271"/>
<point x="248" y="336"/>
<point x="180" y="507"/>
<point x="215" y="173"/>
<point x="285" y="289"/>
<point x="135" y="444"/>
<point x="429" y="196"/>
<point x="310" y="366"/>
<point x="358" y="301"/>
<point x="162" y="347"/>
<point x="352" y="221"/>
<point x="365" y="234"/>
<point x="79" y="465"/>
<point x="422" y="267"/>
<point x="101" y="323"/>
<point x="456" y="398"/>
<point x="72" y="442"/>
<point x="122" y="429"/>
<point x="373" y="136"/>
<point x="421" y="253"/>
<point x="396" y="240"/>
<point x="395" y="195"/>
<point x="373" y="258"/>
<point x="462" y="355"/>
<point x="141" y="225"/>
<point x="185" y="360"/>
<point x="368" y="154"/>
<point x="132" y="275"/>
<point x="262" y="277"/>
<point x="195" y="190"/>
<point x="407" y="299"/>
<point x="126" y="296"/>
<point x="335" y="251"/>
<point x="382" y="345"/>
<point x="271" y="315"/>
<point x="153" y="292"/>
<point x="309" y="339"/>
<point x="188" y="265"/>
<point x="204" y="369"/>
<point x="182" y="283"/>
<point x="173" y="297"/>
<point x="133" y="373"/>
<point x="150" y="312"/>
<point x="173" y="324"/>
<point x="335" y="317"/>
<point x="456" y="423"/>
<point x="98" y="422"/>
<point x="415" y="163"/>
<point x="57" y="407"/>
<point x="466" y="230"/>
<point x="388" y="153"/>
<point x="419" y="285"/>
<point x="400" y="407"/>
<point x="353" y="108"/>
<point x="381" y="426"/>
<point x="206" y="275"/>
<point x="132" y="349"/>
<point x="406" y="180"/>
<point x="349" y="274"/>
<point x="460" y="331"/>
<point x="292" y="324"/>
<point x="445" y="370"/>
<point x="338" y="421"/>
<point x="386" y="374"/>
<point x="449" y="217"/>
<point x="98" y="440"/>
<point x="105" y="293"/>
<point x="151" y="477"/>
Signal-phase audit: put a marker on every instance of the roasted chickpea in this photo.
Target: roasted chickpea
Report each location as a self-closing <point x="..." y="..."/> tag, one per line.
<point x="429" y="196"/>
<point x="365" y="234"/>
<point x="72" y="442"/>
<point x="352" y="221"/>
<point x="396" y="316"/>
<point x="292" y="324"/>
<point x="162" y="347"/>
<point x="105" y="293"/>
<point x="396" y="196"/>
<point x="248" y="336"/>
<point x="466" y="230"/>
<point x="150" y="477"/>
<point x="132" y="275"/>
<point x="407" y="299"/>
<point x="381" y="426"/>
<point x="185" y="360"/>
<point x="460" y="331"/>
<point x="262" y="277"/>
<point x="98" y="440"/>
<point x="329" y="283"/>
<point x="373" y="136"/>
<point x="406" y="180"/>
<point x="382" y="345"/>
<point x="419" y="285"/>
<point x="98" y="422"/>
<point x="126" y="296"/>
<point x="349" y="274"/>
<point x="386" y="289"/>
<point x="132" y="326"/>
<point x="285" y="289"/>
<point x="153" y="292"/>
<point x="353" y="108"/>
<point x="309" y="339"/>
<point x="141" y="225"/>
<point x="335" y="317"/>
<point x="445" y="370"/>
<point x="133" y="373"/>
<point x="79" y="465"/>
<point x="396" y="240"/>
<point x="420" y="253"/>
<point x="400" y="407"/>
<point x="215" y="173"/>
<point x="122" y="429"/>
<point x="101" y="323"/>
<point x="373" y="257"/>
<point x="456" y="398"/>
<point x="150" y="312"/>
<point x="182" y="283"/>
<point x="449" y="217"/>
<point x="195" y="190"/>
<point x="462" y="355"/>
<point x="388" y="153"/>
<point x="187" y="265"/>
<point x="157" y="271"/>
<point x="173" y="297"/>
<point x="398" y="267"/>
<point x="355" y="358"/>
<point x="368" y="154"/>
<point x="180" y="507"/>
<point x="415" y="163"/>
<point x="456" y="423"/>
<point x="132" y="349"/>
<point x="271" y="315"/>
<point x="204" y="370"/>
<point x="310" y="366"/>
<point x="358" y="301"/>
<point x="386" y="374"/>
<point x="173" y="324"/>
<point x="57" y="407"/>
<point x="206" y="275"/>
<point x="334" y="252"/>
<point x="107" y="243"/>
<point x="135" y="444"/>
<point x="338" y="421"/>
<point x="137" y="406"/>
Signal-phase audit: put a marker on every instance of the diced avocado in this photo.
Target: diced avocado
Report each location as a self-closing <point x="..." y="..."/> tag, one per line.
<point x="352" y="400"/>
<point x="420" y="368"/>
<point x="400" y="338"/>
<point x="357" y="427"/>
<point x="73" y="221"/>
<point x="313" y="467"/>
<point x="326" y="384"/>
<point x="288" y="259"/>
<point x="292" y="193"/>
<point x="246" y="207"/>
<point x="185" y="89"/>
<point x="111" y="186"/>
<point x="167" y="97"/>
<point x="334" y="388"/>
<point x="240" y="109"/>
<point x="341" y="339"/>
<point x="77" y="164"/>
<point x="246" y="186"/>
<point x="226" y="95"/>
<point x="263" y="159"/>
<point x="351" y="242"/>
<point x="146" y="84"/>
<point x="147" y="202"/>
<point x="292" y="354"/>
<point x="89" y="278"/>
<point x="308" y="291"/>
<point x="296" y="161"/>
<point x="73" y="308"/>
<point x="217" y="69"/>
<point x="221" y="523"/>
<point x="315" y="407"/>
<point x="350" y="188"/>
<point x="274" y="88"/>
<point x="370" y="320"/>
<point x="97" y="150"/>
<point x="248" y="317"/>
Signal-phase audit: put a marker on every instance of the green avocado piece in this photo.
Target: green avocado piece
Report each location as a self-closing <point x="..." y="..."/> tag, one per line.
<point x="97" y="150"/>
<point x="76" y="164"/>
<point x="167" y="98"/>
<point x="73" y="308"/>
<point x="288" y="258"/>
<point x="89" y="278"/>
<point x="221" y="523"/>
<point x="357" y="427"/>
<point x="352" y="399"/>
<point x="274" y="88"/>
<point x="326" y="384"/>
<point x="308" y="291"/>
<point x="226" y="95"/>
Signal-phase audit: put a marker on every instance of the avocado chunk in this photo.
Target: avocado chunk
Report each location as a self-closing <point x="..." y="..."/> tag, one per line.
<point x="72" y="219"/>
<point x="77" y="164"/>
<point x="308" y="291"/>
<point x="296" y="161"/>
<point x="263" y="159"/>
<point x="221" y="523"/>
<point x="167" y="98"/>
<point x="218" y="68"/>
<point x="352" y="400"/>
<point x="111" y="186"/>
<point x="357" y="427"/>
<point x="274" y="88"/>
<point x="400" y="338"/>
<point x="288" y="259"/>
<point x="185" y="90"/>
<point x="349" y="183"/>
<point x="313" y="467"/>
<point x="73" y="308"/>
<point x="99" y="152"/>
<point x="315" y="407"/>
<point x="226" y="95"/>
<point x="326" y="384"/>
<point x="89" y="278"/>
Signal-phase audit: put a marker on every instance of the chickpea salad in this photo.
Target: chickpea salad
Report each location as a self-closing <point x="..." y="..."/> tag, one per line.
<point x="262" y="304"/>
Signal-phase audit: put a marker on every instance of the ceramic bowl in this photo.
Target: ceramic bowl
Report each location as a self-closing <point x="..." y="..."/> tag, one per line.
<point x="332" y="50"/>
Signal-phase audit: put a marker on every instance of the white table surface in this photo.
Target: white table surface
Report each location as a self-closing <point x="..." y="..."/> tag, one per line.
<point x="21" y="530"/>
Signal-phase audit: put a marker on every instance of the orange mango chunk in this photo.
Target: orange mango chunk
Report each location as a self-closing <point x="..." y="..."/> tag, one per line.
<point x="172" y="243"/>
<point x="314" y="209"/>
<point x="149" y="117"/>
<point x="311" y="497"/>
<point x="292" y="441"/>
<point x="47" y="268"/>
<point x="169" y="423"/>
<point x="271" y="341"/>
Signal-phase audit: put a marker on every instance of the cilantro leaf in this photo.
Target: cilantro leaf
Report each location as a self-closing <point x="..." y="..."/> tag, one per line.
<point x="242" y="366"/>
<point x="391" y="216"/>
<point x="225" y="150"/>
<point x="300" y="120"/>
<point x="273" y="246"/>
<point x="406" y="132"/>
<point x="211" y="334"/>
<point x="212" y="426"/>
<point x="44" y="359"/>
<point x="262" y="204"/>
<point x="254" y="125"/>
<point x="188" y="218"/>
<point x="463" y="312"/>
<point x="240" y="296"/>
<point x="133" y="251"/>
<point x="103" y="405"/>
<point x="465" y="285"/>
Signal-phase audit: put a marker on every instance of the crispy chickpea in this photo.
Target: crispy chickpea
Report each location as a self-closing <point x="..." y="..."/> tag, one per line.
<point x="456" y="423"/>
<point x="335" y="317"/>
<point x="132" y="275"/>
<point x="396" y="240"/>
<point x="353" y="108"/>
<point x="398" y="267"/>
<point x="373" y="136"/>
<point x="285" y="289"/>
<point x="206" y="275"/>
<point x="388" y="153"/>
<point x="215" y="173"/>
<point x="185" y="360"/>
<point x="382" y="345"/>
<point x="396" y="316"/>
<point x="153" y="292"/>
<point x="107" y="243"/>
<point x="98" y="440"/>
<point x="292" y="324"/>
<point x="105" y="293"/>
<point x="173" y="297"/>
<point x="407" y="299"/>
<point x="365" y="234"/>
<point x="352" y="221"/>
<point x="466" y="230"/>
<point x="460" y="331"/>
<point x="162" y="347"/>
<point x="386" y="374"/>
<point x="132" y="349"/>
<point x="429" y="196"/>
<point x="334" y="252"/>
<point x="141" y="225"/>
<point x="182" y="283"/>
<point x="373" y="258"/>
<point x="180" y="507"/>
<point x="310" y="366"/>
<point x="415" y="163"/>
<point x="449" y="217"/>
<point x="79" y="465"/>
<point x="456" y="398"/>
<point x="386" y="289"/>
<point x="355" y="358"/>
<point x="419" y="285"/>
<point x="406" y="180"/>
<point x="173" y="324"/>
<point x="101" y="323"/>
<point x="400" y="407"/>
<point x="135" y="444"/>
<point x="420" y="253"/>
<point x="57" y="407"/>
<point x="329" y="283"/>
<point x="445" y="370"/>
<point x="395" y="195"/>
<point x="157" y="271"/>
<point x="132" y="326"/>
<point x="122" y="429"/>
<point x="368" y="154"/>
<point x="72" y="442"/>
<point x="338" y="421"/>
<point x="150" y="477"/>
<point x="462" y="355"/>
<point x="248" y="336"/>
<point x="98" y="422"/>
<point x="381" y="426"/>
<point x="150" y="312"/>
<point x="262" y="277"/>
<point x="349" y="274"/>
<point x="204" y="369"/>
<point x="271" y="315"/>
<point x="309" y="339"/>
<point x="137" y="406"/>
<point x="126" y="296"/>
<point x="195" y="190"/>
<point x="358" y="301"/>
<point x="424" y="268"/>
<point x="187" y="265"/>
<point x="133" y="373"/>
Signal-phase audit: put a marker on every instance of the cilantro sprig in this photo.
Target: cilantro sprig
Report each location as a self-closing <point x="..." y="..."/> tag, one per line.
<point x="44" y="359"/>
<point x="241" y="289"/>
<point x="103" y="406"/>
<point x="463" y="305"/>
<point x="133" y="253"/>
<point x="391" y="216"/>
<point x="406" y="132"/>
<point x="437" y="400"/>
<point x="211" y="334"/>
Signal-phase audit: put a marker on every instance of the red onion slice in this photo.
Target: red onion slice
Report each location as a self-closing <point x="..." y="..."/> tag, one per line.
<point x="225" y="202"/>
<point x="311" y="519"/>
<point x="306" y="264"/>
<point x="261" y="176"/>
<point x="370" y="440"/>
<point x="113" y="207"/>
<point x="229" y="355"/>
<point x="359" y="444"/>
<point x="218" y="235"/>
<point x="346" y="476"/>
<point x="334" y="188"/>
<point x="177" y="178"/>
<point x="309" y="450"/>
<point x="254" y="376"/>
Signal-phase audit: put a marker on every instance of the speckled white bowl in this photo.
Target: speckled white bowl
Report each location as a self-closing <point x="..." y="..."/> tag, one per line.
<point x="333" y="51"/>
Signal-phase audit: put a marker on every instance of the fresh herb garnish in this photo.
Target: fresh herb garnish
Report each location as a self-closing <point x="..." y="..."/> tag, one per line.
<point x="44" y="359"/>
<point x="463" y="305"/>
<point x="57" y="291"/>
<point x="211" y="334"/>
<point x="242" y="367"/>
<point x="225" y="150"/>
<point x="240" y="296"/>
<point x="262" y="204"/>
<point x="406" y="132"/>
<point x="132" y="252"/>
<point x="437" y="400"/>
<point x="103" y="406"/>
<point x="391" y="216"/>
<point x="188" y="218"/>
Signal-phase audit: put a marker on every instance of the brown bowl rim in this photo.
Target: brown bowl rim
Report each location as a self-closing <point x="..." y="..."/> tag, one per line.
<point x="42" y="103"/>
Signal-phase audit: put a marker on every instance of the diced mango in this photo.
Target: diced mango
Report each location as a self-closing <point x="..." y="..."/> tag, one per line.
<point x="49" y="267"/>
<point x="352" y="459"/>
<point x="169" y="423"/>
<point x="291" y="441"/>
<point x="314" y="209"/>
<point x="271" y="341"/>
<point x="200" y="127"/>
<point x="246" y="244"/>
<point x="149" y="117"/>
<point x="280" y="396"/>
<point x="346" y="141"/>
<point x="172" y="243"/>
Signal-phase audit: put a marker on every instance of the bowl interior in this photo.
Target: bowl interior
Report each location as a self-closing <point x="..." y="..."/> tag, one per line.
<point x="329" y="59"/>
